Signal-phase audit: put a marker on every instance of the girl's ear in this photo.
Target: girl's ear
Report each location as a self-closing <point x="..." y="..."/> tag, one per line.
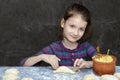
<point x="62" y="22"/>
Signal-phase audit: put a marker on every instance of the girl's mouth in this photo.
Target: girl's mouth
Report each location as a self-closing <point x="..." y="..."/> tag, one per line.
<point x="75" y="37"/>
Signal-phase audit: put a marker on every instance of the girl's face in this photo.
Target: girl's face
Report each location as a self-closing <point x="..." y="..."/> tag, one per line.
<point x="73" y="28"/>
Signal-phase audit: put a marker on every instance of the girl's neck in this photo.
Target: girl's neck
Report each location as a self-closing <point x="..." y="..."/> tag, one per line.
<point x="69" y="45"/>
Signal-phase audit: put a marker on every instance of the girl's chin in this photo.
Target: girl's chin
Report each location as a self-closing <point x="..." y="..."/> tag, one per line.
<point x="73" y="41"/>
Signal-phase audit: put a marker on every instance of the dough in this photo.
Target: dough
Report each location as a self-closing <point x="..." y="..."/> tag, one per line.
<point x="117" y="75"/>
<point x="63" y="69"/>
<point x="89" y="77"/>
<point x="11" y="71"/>
<point x="108" y="77"/>
<point x="10" y="77"/>
<point x="27" y="79"/>
<point x="11" y="74"/>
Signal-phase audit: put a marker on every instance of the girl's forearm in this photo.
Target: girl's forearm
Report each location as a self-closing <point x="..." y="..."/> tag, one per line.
<point x="32" y="60"/>
<point x="89" y="64"/>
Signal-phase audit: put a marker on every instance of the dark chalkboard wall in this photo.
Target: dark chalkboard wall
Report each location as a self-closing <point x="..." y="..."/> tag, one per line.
<point x="26" y="26"/>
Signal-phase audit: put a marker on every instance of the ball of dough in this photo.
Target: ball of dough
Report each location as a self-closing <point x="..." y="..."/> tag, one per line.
<point x="10" y="77"/>
<point x="64" y="69"/>
<point x="108" y="77"/>
<point x="89" y="77"/>
<point x="117" y="75"/>
<point x="11" y="71"/>
<point x="27" y="79"/>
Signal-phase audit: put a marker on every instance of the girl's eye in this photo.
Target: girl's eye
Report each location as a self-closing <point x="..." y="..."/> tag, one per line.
<point x="72" y="26"/>
<point x="82" y="29"/>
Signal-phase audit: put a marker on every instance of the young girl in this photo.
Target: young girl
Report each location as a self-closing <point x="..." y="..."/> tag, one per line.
<point x="73" y="49"/>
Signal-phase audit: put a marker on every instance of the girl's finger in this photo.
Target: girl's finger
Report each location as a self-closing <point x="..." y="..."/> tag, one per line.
<point x="82" y="65"/>
<point x="55" y="63"/>
<point x="79" y="62"/>
<point x="76" y="63"/>
<point x="58" y="59"/>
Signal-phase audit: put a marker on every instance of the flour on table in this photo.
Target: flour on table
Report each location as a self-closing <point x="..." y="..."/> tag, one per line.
<point x="63" y="69"/>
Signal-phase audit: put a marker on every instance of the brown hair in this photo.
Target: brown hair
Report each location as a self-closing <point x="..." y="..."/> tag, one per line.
<point x="84" y="12"/>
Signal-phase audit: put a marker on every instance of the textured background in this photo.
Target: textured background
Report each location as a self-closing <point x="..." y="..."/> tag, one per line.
<point x="26" y="26"/>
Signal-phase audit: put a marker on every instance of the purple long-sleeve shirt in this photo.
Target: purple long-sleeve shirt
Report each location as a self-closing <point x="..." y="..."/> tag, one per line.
<point x="67" y="56"/>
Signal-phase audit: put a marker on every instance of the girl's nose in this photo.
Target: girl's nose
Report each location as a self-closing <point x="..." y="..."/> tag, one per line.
<point x="76" y="32"/>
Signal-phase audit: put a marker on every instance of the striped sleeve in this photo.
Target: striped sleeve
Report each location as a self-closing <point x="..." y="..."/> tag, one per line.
<point x="23" y="61"/>
<point x="91" y="51"/>
<point x="46" y="50"/>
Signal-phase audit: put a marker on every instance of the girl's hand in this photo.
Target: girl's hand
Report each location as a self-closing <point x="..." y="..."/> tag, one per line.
<point x="51" y="59"/>
<point x="80" y="63"/>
